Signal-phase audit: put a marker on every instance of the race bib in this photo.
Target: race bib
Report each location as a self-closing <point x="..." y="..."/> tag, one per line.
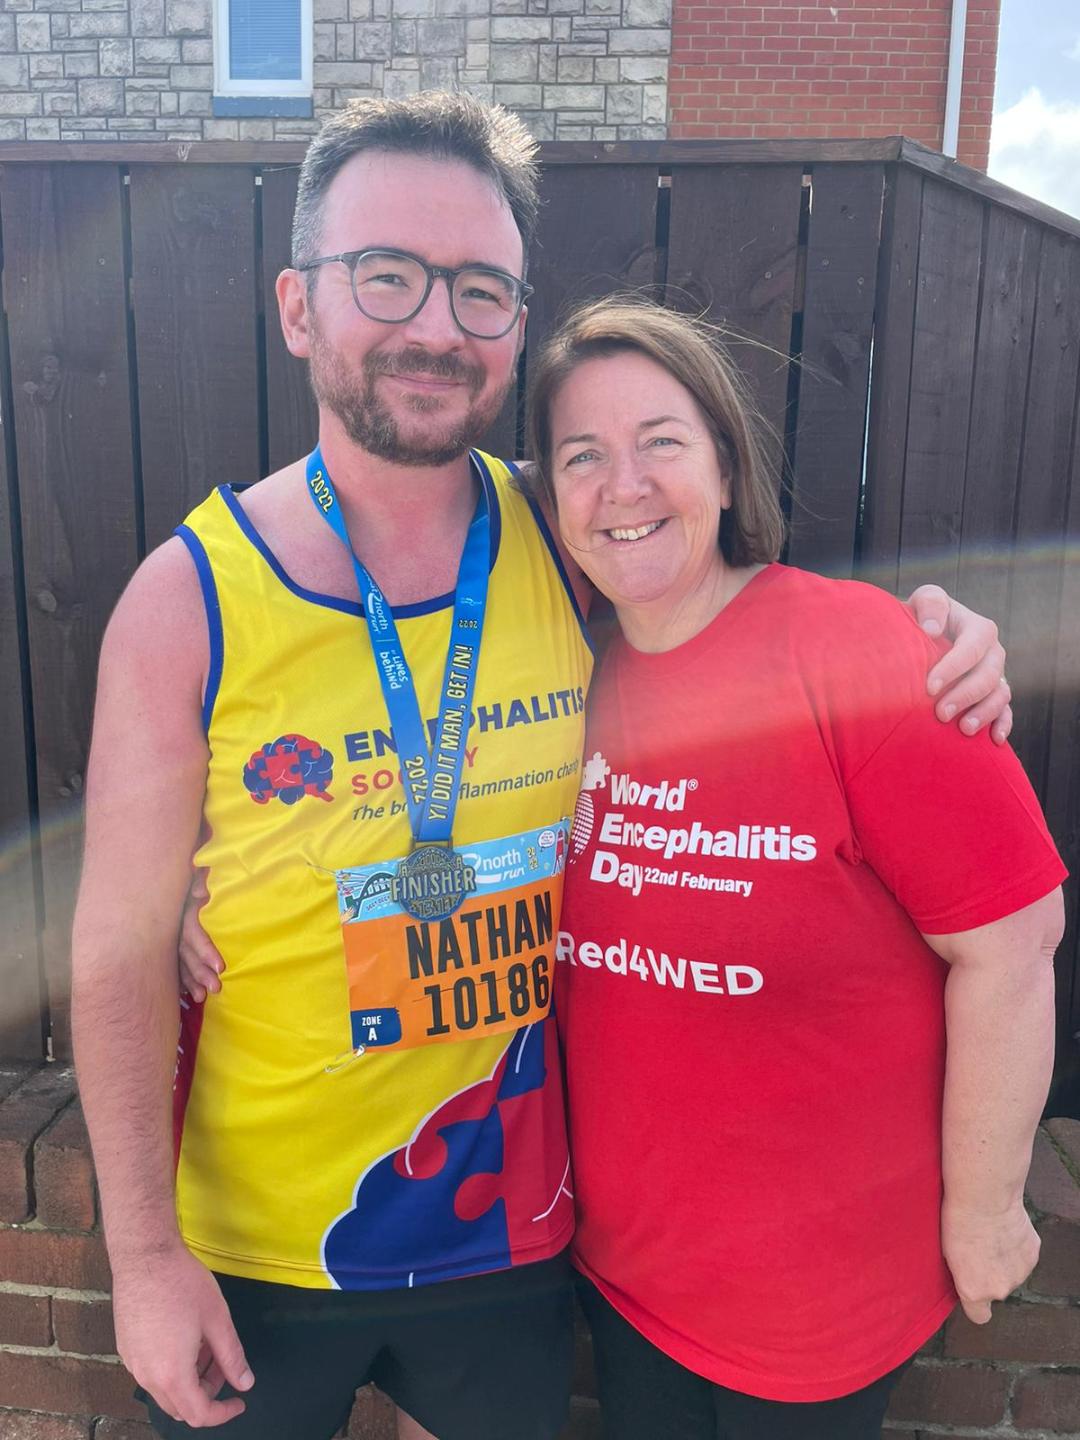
<point x="485" y="969"/>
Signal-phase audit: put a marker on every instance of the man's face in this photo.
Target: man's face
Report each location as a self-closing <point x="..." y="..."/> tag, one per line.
<point x="421" y="392"/>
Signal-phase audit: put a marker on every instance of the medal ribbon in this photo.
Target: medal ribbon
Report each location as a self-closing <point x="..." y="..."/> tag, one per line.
<point x="431" y="777"/>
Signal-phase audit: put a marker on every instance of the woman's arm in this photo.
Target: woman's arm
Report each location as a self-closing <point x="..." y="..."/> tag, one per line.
<point x="999" y="1014"/>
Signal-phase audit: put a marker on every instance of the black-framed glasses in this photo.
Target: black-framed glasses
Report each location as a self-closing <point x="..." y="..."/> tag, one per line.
<point x="393" y="286"/>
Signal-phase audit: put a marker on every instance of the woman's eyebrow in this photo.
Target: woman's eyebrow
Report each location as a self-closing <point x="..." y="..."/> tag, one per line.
<point x="590" y="439"/>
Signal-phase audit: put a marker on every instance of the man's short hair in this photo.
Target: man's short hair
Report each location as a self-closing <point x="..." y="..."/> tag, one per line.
<point x="437" y="124"/>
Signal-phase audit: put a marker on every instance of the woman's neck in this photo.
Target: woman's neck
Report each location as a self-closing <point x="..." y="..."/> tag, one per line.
<point x="657" y="625"/>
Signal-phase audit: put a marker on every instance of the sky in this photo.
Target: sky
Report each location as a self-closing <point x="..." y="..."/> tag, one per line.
<point x="1035" y="139"/>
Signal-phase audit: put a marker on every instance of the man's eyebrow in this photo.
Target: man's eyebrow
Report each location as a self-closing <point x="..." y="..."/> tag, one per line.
<point x="588" y="439"/>
<point x="412" y="255"/>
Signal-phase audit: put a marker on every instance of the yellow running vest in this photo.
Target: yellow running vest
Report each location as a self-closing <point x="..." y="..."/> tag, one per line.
<point x="376" y="1101"/>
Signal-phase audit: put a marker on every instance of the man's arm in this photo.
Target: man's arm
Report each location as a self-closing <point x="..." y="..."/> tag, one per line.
<point x="145" y="786"/>
<point x="968" y="682"/>
<point x="999" y="1011"/>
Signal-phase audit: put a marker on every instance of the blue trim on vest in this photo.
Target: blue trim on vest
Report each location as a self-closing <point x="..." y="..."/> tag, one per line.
<point x="549" y="540"/>
<point x="353" y="607"/>
<point x="208" y="586"/>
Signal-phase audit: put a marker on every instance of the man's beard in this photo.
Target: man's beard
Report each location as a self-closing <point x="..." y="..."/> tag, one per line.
<point x="370" y="424"/>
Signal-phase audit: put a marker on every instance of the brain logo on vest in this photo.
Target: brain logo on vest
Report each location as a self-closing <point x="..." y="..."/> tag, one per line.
<point x="290" y="767"/>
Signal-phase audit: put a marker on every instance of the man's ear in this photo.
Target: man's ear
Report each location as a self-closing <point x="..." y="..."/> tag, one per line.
<point x="521" y="333"/>
<point x="292" y="298"/>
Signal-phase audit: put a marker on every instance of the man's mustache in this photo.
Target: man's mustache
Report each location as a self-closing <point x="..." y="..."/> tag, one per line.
<point x="416" y="361"/>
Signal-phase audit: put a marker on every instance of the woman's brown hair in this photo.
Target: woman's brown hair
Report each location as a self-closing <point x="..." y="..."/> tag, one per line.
<point x="690" y="350"/>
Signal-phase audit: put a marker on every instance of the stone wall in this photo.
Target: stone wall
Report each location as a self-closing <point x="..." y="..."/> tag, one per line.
<point x="1017" y="1378"/>
<point x="136" y="70"/>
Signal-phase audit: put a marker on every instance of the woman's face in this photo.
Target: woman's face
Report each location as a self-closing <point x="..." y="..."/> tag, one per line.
<point x="638" y="483"/>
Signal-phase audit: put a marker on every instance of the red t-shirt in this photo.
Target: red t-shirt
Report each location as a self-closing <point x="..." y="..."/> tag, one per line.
<point x="754" y="1027"/>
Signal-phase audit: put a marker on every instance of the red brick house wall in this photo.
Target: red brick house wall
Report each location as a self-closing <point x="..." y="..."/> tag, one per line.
<point x="850" y="68"/>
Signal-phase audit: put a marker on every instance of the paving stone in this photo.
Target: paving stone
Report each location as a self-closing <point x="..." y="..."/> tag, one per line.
<point x="188" y="17"/>
<point x="624" y="104"/>
<point x="14" y="70"/>
<point x="520" y="27"/>
<point x="640" y="42"/>
<point x="513" y="62"/>
<point x="159" y="51"/>
<point x="641" y="13"/>
<point x="374" y="40"/>
<point x="32" y="32"/>
<point x="147" y="17"/>
<point x="116" y="57"/>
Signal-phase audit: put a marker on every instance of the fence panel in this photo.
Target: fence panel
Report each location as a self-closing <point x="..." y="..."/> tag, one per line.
<point x="20" y="972"/>
<point x="291" y="416"/>
<point x="597" y="234"/>
<point x="1036" y="558"/>
<point x="890" y="386"/>
<point x="1002" y="366"/>
<point x="733" y="248"/>
<point x="838" y="318"/>
<point x="193" y="270"/>
<point x="1063" y="789"/>
<point x="943" y="357"/>
<point x="67" y="313"/>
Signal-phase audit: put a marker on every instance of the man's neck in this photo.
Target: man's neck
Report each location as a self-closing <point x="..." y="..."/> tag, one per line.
<point x="384" y="499"/>
<point x="406" y="523"/>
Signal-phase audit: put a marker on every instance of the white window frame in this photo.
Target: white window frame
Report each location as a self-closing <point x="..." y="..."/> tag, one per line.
<point x="225" y="85"/>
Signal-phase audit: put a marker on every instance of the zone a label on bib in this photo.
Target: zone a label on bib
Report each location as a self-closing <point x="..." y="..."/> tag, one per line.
<point x="483" y="970"/>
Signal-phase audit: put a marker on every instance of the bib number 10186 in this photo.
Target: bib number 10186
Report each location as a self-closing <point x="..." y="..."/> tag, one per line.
<point x="485" y="1000"/>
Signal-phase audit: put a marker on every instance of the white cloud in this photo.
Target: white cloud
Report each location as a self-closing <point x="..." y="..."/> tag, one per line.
<point x="1035" y="147"/>
<point x="1074" y="52"/>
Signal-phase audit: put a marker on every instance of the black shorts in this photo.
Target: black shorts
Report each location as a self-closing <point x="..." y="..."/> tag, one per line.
<point x="645" y="1395"/>
<point x="487" y="1358"/>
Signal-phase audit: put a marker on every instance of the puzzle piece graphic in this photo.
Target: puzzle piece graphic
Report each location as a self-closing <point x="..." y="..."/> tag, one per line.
<point x="539" y="1191"/>
<point x="594" y="772"/>
<point x="448" y="1203"/>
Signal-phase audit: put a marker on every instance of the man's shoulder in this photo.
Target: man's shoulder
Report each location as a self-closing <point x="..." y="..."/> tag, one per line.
<point x="274" y="495"/>
<point x="160" y="617"/>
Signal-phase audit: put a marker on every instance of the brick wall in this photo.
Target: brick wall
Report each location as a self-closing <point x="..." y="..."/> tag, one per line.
<point x="1017" y="1378"/>
<point x="836" y="68"/>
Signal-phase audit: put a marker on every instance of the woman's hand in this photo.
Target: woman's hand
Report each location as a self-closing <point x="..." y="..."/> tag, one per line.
<point x="989" y="1255"/>
<point x="969" y="680"/>
<point x="201" y="966"/>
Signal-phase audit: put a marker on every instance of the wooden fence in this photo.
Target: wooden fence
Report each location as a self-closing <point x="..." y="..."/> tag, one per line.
<point x="929" y="429"/>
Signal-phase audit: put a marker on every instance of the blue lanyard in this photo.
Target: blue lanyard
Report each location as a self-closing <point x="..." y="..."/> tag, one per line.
<point x="431" y="778"/>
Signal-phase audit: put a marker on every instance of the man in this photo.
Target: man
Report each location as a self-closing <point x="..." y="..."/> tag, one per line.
<point x="371" y="1178"/>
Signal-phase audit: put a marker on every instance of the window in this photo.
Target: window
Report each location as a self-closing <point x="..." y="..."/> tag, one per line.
<point x="262" y="52"/>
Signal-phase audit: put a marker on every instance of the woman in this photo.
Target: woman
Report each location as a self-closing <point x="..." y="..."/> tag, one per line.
<point x="807" y="996"/>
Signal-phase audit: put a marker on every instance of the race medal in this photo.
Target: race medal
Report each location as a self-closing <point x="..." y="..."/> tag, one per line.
<point x="451" y="970"/>
<point x="431" y="882"/>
